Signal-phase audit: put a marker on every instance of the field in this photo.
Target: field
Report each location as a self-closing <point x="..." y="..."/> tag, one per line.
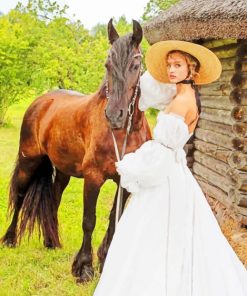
<point x="30" y="269"/>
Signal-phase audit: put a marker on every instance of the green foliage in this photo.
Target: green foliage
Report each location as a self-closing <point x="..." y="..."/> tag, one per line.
<point x="14" y="52"/>
<point x="42" y="49"/>
<point x="155" y="6"/>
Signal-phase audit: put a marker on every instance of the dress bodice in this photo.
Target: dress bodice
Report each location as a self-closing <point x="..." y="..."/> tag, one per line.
<point x="157" y="158"/>
<point x="171" y="130"/>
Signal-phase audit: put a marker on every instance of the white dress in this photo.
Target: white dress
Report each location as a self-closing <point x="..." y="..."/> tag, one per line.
<point x="168" y="242"/>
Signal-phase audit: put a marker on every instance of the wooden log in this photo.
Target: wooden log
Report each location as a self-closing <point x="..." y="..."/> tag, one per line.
<point x="240" y="129"/>
<point x="216" y="165"/>
<point x="241" y="65"/>
<point x="217" y="115"/>
<point x="213" y="150"/>
<point x="214" y="138"/>
<point x="242" y="211"/>
<point x="238" y="160"/>
<point x="220" y="128"/>
<point x="216" y="89"/>
<point x="238" y="197"/>
<point x="226" y="75"/>
<point x="240" y="144"/>
<point x="216" y="102"/>
<point x="242" y="49"/>
<point x="210" y="176"/>
<point x="239" y="79"/>
<point x="214" y="192"/>
<point x="238" y="96"/>
<point x="238" y="179"/>
<point x="228" y="63"/>
<point x="243" y="220"/>
<point x="219" y="42"/>
<point x="226" y="51"/>
<point x="239" y="113"/>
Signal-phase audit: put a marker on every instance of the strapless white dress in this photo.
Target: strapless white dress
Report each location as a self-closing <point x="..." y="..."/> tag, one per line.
<point x="168" y="242"/>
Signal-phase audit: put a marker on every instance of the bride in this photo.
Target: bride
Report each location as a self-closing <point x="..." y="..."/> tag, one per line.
<point x="168" y="242"/>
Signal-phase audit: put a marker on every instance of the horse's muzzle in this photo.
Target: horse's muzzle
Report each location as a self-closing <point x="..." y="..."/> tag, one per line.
<point x="116" y="120"/>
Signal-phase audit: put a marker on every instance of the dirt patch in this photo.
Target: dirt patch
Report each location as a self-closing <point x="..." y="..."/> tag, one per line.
<point x="231" y="227"/>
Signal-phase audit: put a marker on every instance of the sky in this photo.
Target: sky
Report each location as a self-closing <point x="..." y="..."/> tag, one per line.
<point x="92" y="12"/>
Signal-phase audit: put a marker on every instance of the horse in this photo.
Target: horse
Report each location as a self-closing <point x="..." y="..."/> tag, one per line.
<point x="64" y="134"/>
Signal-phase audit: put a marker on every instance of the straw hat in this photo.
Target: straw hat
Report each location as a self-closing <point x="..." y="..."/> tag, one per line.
<point x="156" y="60"/>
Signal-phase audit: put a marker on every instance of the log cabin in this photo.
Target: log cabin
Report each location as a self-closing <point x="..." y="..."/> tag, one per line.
<point x="217" y="153"/>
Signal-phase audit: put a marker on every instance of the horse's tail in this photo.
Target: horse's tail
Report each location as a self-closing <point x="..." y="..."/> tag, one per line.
<point x="40" y="205"/>
<point x="13" y="188"/>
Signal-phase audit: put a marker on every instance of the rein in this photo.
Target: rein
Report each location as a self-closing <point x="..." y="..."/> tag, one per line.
<point x="131" y="109"/>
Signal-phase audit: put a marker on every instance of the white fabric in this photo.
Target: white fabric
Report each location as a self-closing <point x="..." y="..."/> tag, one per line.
<point x="154" y="93"/>
<point x="168" y="242"/>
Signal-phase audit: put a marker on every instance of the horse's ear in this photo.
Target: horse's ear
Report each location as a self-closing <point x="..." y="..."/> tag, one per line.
<point x="137" y="33"/>
<point x="112" y="33"/>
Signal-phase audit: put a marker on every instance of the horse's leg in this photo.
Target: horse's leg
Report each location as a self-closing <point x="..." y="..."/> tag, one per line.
<point x="60" y="183"/>
<point x="23" y="172"/>
<point x="82" y="266"/>
<point x="103" y="249"/>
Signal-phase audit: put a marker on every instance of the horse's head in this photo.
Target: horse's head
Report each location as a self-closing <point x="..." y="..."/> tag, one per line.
<point x="123" y="66"/>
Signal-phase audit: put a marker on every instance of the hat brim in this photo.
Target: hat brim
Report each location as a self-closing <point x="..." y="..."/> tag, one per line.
<point x="156" y="60"/>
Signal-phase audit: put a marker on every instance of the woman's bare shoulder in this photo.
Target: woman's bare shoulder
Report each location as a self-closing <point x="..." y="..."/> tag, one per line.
<point x="185" y="98"/>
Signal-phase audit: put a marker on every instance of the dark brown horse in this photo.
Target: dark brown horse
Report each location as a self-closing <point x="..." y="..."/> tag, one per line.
<point x="67" y="134"/>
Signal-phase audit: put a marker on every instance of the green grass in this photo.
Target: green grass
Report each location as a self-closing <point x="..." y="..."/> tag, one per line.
<point x="30" y="269"/>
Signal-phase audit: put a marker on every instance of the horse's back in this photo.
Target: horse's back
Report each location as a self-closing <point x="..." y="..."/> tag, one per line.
<point x="50" y="109"/>
<point x="57" y="101"/>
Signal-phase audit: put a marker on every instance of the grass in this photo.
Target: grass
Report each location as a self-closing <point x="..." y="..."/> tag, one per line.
<point x="30" y="269"/>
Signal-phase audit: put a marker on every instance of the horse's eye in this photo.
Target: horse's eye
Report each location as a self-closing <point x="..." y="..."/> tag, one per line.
<point x="134" y="67"/>
<point x="107" y="65"/>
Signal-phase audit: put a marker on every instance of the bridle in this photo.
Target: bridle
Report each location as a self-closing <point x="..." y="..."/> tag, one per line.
<point x="131" y="109"/>
<point x="131" y="106"/>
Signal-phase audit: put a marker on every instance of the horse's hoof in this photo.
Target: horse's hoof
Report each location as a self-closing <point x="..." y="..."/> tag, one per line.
<point x="83" y="274"/>
<point x="101" y="266"/>
<point x="9" y="240"/>
<point x="87" y="275"/>
<point x="51" y="245"/>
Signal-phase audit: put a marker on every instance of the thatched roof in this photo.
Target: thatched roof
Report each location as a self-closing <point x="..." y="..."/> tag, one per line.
<point x="199" y="19"/>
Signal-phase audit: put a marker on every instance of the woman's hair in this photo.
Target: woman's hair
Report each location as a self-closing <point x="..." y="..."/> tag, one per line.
<point x="194" y="67"/>
<point x="192" y="62"/>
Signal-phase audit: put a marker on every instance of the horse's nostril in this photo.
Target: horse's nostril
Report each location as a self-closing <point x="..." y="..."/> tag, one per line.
<point x="121" y="113"/>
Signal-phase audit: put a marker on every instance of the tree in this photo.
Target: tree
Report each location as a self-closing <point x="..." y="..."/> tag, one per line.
<point x="41" y="49"/>
<point x="14" y="51"/>
<point x="155" y="6"/>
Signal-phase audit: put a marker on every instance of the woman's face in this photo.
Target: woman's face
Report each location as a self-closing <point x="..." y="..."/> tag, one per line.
<point x="177" y="67"/>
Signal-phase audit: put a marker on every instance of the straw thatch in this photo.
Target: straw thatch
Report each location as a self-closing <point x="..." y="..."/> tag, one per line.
<point x="199" y="19"/>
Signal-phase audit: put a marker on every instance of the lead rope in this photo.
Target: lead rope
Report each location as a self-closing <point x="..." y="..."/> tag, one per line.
<point x="131" y="109"/>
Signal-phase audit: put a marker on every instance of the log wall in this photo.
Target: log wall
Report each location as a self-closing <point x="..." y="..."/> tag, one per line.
<point x="217" y="154"/>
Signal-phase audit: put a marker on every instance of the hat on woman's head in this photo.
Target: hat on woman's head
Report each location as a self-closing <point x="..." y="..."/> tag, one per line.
<point x="156" y="60"/>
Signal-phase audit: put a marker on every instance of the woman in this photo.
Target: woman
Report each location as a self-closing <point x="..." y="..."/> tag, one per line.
<point x="168" y="242"/>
